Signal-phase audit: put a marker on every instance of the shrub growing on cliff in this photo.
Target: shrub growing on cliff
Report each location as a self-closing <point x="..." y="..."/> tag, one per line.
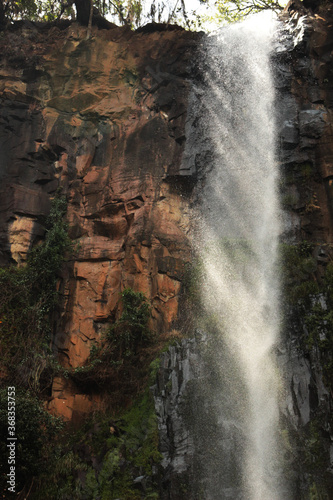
<point x="35" y="429"/>
<point x="28" y="298"/>
<point x="131" y="330"/>
<point x="297" y="268"/>
<point x="45" y="260"/>
<point x="121" y="362"/>
<point x="311" y="301"/>
<point x="124" y="446"/>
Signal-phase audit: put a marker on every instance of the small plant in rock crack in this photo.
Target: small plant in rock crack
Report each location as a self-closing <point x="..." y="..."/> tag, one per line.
<point x="121" y="360"/>
<point x="131" y="331"/>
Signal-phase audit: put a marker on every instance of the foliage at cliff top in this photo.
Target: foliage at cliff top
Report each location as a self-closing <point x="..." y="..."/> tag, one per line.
<point x="134" y="13"/>
<point x="227" y="11"/>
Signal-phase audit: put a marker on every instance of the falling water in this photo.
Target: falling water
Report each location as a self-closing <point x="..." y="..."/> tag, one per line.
<point x="233" y="137"/>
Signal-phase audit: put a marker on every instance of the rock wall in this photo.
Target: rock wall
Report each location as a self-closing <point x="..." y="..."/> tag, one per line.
<point x="188" y="428"/>
<point x="180" y="368"/>
<point x="103" y="121"/>
<point x="304" y="80"/>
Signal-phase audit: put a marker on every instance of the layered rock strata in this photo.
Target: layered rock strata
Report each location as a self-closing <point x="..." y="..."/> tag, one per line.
<point x="103" y="121"/>
<point x="304" y="93"/>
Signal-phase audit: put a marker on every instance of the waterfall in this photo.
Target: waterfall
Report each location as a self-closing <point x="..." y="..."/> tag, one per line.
<point x="232" y="146"/>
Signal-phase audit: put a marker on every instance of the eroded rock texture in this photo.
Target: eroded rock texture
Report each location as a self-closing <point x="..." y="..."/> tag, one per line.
<point x="305" y="104"/>
<point x="303" y="79"/>
<point x="102" y="119"/>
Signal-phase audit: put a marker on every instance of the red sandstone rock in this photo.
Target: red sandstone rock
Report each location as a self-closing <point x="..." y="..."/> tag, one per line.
<point x="102" y="120"/>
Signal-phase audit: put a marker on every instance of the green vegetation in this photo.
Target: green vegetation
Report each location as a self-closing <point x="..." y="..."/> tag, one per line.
<point x="133" y="13"/>
<point x="311" y="301"/>
<point x="230" y="11"/>
<point x="127" y="11"/>
<point x="104" y="458"/>
<point x="307" y="301"/>
<point x="314" y="458"/>
<point x="318" y="492"/>
<point x="297" y="268"/>
<point x="131" y="330"/>
<point x="36" y="429"/>
<point x="106" y="455"/>
<point x="28" y="302"/>
<point x="193" y="275"/>
<point x="120" y="363"/>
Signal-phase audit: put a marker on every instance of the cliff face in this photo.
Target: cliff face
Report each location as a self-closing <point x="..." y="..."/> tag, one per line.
<point x="192" y="453"/>
<point x="103" y="120"/>
<point x="303" y="80"/>
<point x="305" y="106"/>
<point x="302" y="65"/>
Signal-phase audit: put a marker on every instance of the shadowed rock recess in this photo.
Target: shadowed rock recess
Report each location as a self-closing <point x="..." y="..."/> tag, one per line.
<point x="103" y="121"/>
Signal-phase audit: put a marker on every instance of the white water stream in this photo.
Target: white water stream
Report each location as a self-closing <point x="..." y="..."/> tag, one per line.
<point x="238" y="235"/>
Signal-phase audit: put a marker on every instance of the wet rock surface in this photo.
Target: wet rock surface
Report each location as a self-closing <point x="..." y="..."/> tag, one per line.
<point x="179" y="366"/>
<point x="303" y="78"/>
<point x="199" y="435"/>
<point x="105" y="120"/>
<point x="304" y="95"/>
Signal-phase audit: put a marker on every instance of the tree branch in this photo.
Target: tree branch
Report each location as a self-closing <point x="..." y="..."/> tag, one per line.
<point x="90" y="20"/>
<point x="119" y="11"/>
<point x="64" y="6"/>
